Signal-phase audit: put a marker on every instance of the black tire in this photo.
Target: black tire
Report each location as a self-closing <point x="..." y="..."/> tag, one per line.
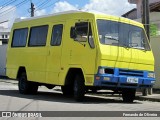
<point x="25" y="86"/>
<point x="79" y="88"/>
<point x="94" y="90"/>
<point x="67" y="90"/>
<point x="128" y="95"/>
<point x="50" y="86"/>
<point x="145" y="92"/>
<point x="33" y="88"/>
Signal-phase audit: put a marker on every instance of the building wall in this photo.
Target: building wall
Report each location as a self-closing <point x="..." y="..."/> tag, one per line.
<point x="4" y="36"/>
<point x="155" y="42"/>
<point x="131" y="15"/>
<point x="153" y="1"/>
<point x="139" y="6"/>
<point x="3" y="51"/>
<point x="4" y="33"/>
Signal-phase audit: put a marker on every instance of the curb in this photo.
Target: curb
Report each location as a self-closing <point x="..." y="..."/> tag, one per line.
<point x="9" y="81"/>
<point x="147" y="98"/>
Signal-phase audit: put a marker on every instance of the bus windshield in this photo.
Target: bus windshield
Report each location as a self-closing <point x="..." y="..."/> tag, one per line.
<point x="121" y="34"/>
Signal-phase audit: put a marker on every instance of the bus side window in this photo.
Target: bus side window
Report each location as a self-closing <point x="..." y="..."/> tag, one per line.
<point x="57" y="35"/>
<point x="19" y="38"/>
<point x="38" y="36"/>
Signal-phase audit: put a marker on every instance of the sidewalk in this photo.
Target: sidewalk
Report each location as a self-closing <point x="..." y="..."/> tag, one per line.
<point x="154" y="97"/>
<point x="8" y="81"/>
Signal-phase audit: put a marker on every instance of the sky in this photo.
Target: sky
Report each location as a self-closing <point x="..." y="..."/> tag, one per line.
<point x="11" y="9"/>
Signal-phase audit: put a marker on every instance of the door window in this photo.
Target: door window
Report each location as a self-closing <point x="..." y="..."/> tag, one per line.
<point x="57" y="35"/>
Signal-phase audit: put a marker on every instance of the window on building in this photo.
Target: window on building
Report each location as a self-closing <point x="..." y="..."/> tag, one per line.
<point x="57" y="35"/>
<point x="6" y="36"/>
<point x="38" y="36"/>
<point x="2" y="36"/>
<point x="19" y="37"/>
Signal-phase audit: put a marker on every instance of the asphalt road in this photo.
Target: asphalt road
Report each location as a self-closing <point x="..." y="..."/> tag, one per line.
<point x="53" y="100"/>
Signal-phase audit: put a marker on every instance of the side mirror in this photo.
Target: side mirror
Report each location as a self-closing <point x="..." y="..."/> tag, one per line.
<point x="73" y="33"/>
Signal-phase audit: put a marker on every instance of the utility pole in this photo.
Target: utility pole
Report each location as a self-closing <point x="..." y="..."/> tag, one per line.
<point x="32" y="9"/>
<point x="145" y="17"/>
<point x="146" y="23"/>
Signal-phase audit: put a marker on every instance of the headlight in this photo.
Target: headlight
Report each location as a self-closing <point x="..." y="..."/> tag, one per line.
<point x="101" y="71"/>
<point x="151" y="75"/>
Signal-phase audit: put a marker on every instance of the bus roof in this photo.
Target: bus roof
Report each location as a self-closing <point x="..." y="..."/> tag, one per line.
<point x="95" y="13"/>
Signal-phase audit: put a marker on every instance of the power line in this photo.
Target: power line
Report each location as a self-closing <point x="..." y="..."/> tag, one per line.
<point x="7" y="3"/>
<point x="44" y="7"/>
<point x="39" y="2"/>
<point x="37" y="9"/>
<point x="41" y="5"/>
<point x="12" y="8"/>
<point x="47" y="6"/>
<point x="17" y="5"/>
<point x="51" y="4"/>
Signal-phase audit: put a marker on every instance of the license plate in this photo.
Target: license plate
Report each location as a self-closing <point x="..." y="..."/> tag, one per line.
<point x="132" y="80"/>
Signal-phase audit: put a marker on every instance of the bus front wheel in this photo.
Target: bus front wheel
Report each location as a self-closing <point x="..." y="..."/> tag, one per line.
<point x="128" y="95"/>
<point x="79" y="88"/>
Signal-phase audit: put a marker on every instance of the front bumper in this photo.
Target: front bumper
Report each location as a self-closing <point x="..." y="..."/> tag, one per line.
<point x="122" y="81"/>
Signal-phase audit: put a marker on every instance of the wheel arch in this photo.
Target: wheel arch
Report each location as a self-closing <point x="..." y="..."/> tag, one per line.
<point x="72" y="72"/>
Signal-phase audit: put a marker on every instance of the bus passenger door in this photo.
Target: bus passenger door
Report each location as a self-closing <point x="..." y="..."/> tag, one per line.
<point x="54" y="53"/>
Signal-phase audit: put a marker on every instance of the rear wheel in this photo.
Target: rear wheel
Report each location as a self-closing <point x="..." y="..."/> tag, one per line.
<point x="79" y="88"/>
<point x="128" y="95"/>
<point x="25" y="86"/>
<point x="145" y="92"/>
